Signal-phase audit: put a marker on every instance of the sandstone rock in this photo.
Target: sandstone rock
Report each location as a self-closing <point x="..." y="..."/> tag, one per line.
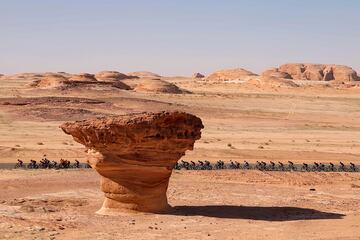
<point x="144" y="74"/>
<point x="313" y="72"/>
<point x="274" y="72"/>
<point x="50" y="81"/>
<point x="294" y="70"/>
<point x="60" y="82"/>
<point x="110" y="76"/>
<point x="84" y="77"/>
<point x="230" y="74"/>
<point x="135" y="155"/>
<point x="198" y="75"/>
<point x="154" y="85"/>
<point x="319" y="72"/>
<point x="344" y="73"/>
<point x="35" y="76"/>
<point x="269" y="82"/>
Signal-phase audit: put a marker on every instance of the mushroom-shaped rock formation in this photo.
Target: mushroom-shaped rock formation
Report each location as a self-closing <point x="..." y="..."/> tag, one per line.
<point x="135" y="155"/>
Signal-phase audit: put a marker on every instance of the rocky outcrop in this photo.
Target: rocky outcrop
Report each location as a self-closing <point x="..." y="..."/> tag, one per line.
<point x="274" y="72"/>
<point x="110" y="76"/>
<point x="318" y="72"/>
<point x="50" y="81"/>
<point x="144" y="74"/>
<point x="154" y="86"/>
<point x="135" y="155"/>
<point x="265" y="82"/>
<point x="81" y="81"/>
<point x="198" y="75"/>
<point x="230" y="74"/>
<point x="84" y="77"/>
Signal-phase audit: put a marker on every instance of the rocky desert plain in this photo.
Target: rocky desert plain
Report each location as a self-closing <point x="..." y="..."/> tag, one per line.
<point x="302" y="113"/>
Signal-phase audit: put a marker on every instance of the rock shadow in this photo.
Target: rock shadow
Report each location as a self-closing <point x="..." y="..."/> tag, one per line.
<point x="254" y="212"/>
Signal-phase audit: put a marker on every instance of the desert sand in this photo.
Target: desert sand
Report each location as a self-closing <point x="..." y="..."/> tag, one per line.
<point x="245" y="116"/>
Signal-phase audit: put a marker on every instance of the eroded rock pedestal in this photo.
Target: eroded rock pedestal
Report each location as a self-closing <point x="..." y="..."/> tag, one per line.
<point x="135" y="155"/>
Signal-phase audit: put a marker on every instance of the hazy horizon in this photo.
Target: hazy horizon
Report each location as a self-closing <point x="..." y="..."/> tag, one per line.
<point x="175" y="37"/>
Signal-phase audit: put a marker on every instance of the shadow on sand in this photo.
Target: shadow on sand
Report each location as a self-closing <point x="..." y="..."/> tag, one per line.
<point x="254" y="213"/>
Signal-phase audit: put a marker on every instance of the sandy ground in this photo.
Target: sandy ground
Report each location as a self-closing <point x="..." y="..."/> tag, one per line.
<point x="306" y="125"/>
<point x="277" y="124"/>
<point x="207" y="205"/>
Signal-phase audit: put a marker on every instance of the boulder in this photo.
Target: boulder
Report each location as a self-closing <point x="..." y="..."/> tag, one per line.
<point x="135" y="155"/>
<point x="230" y="74"/>
<point x="198" y="75"/>
<point x="110" y="76"/>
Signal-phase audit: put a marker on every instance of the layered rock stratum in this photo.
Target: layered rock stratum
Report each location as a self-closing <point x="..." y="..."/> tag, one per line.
<point x="316" y="72"/>
<point x="135" y="155"/>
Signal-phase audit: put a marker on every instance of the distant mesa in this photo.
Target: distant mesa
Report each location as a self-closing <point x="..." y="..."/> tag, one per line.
<point x="198" y="75"/>
<point x="154" y="86"/>
<point x="111" y="76"/>
<point x="230" y="74"/>
<point x="84" y="77"/>
<point x="144" y="74"/>
<point x="315" y="72"/>
<point x="77" y="81"/>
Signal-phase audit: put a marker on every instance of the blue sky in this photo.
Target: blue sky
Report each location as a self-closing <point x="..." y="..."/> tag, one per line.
<point x="175" y="37"/>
